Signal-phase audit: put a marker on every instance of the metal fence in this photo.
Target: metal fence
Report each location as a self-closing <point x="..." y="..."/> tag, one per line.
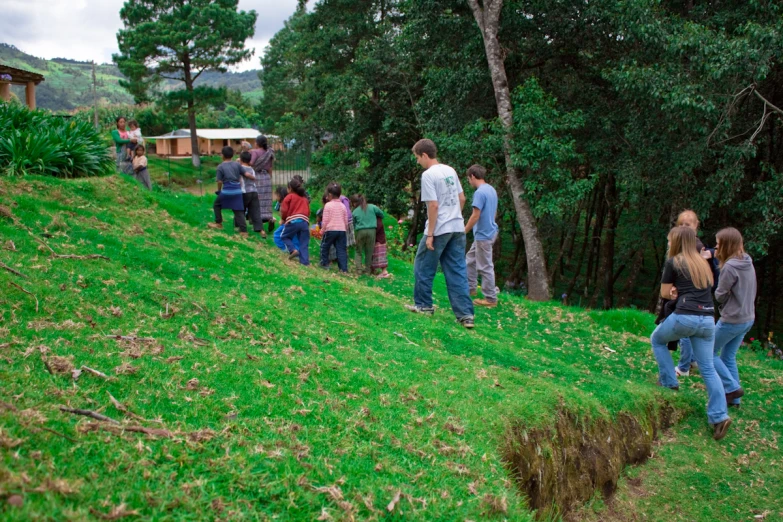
<point x="290" y="160"/>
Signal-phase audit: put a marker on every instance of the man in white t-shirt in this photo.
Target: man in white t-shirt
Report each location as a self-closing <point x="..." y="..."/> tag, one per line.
<point x="444" y="237"/>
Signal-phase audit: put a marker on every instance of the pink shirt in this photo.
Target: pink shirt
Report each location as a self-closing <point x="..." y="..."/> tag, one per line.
<point x="334" y="218"/>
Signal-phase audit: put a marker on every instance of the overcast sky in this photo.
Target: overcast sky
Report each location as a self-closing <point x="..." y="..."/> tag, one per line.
<point x="87" y="29"/>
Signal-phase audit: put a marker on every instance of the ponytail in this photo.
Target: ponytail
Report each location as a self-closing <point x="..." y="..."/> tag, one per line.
<point x="296" y="187"/>
<point x="357" y="200"/>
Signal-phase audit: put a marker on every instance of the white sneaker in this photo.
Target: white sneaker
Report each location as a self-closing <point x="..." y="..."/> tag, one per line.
<point x="681" y="373"/>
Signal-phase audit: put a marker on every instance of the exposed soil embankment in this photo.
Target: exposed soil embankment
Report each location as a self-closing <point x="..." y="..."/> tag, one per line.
<point x="560" y="468"/>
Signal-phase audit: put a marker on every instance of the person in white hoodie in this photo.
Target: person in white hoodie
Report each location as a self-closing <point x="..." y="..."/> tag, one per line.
<point x="736" y="292"/>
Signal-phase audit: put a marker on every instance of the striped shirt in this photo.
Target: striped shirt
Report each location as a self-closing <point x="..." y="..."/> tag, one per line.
<point x="334" y="218"/>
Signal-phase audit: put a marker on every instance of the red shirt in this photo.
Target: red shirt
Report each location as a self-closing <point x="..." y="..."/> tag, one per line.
<point x="293" y="207"/>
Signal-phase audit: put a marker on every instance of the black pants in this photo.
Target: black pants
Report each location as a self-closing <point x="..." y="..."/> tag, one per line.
<point x="239" y="216"/>
<point x="253" y="210"/>
<point x="340" y="242"/>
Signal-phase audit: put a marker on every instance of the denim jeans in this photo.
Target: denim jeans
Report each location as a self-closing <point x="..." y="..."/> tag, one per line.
<point x="728" y="338"/>
<point x="686" y="355"/>
<point x="450" y="252"/>
<point x="340" y="242"/>
<point x="301" y="231"/>
<point x="700" y="329"/>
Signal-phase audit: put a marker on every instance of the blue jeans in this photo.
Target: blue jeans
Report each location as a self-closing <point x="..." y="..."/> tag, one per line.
<point x="301" y="231"/>
<point x="686" y="355"/>
<point x="450" y="252"/>
<point x="700" y="329"/>
<point x="728" y="338"/>
<point x="340" y="242"/>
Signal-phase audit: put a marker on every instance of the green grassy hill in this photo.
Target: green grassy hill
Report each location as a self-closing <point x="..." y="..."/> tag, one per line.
<point x="240" y="385"/>
<point x="68" y="83"/>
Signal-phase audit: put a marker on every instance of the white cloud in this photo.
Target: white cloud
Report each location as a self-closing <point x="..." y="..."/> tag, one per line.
<point x="87" y="29"/>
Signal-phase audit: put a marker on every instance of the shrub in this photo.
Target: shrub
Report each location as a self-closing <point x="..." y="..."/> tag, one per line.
<point x="36" y="142"/>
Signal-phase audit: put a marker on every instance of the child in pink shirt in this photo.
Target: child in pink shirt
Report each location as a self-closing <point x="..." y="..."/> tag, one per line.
<point x="335" y="224"/>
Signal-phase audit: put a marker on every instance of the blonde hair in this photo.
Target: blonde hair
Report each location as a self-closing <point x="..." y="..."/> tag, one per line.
<point x="682" y="250"/>
<point x="730" y="245"/>
<point x="687" y="213"/>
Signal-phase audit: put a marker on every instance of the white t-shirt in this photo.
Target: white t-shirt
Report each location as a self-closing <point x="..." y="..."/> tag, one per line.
<point x="440" y="183"/>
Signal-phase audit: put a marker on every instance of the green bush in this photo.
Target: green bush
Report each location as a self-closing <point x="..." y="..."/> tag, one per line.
<point x="36" y="142"/>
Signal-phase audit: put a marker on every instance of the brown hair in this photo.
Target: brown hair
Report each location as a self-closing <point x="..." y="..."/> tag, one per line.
<point x="730" y="245"/>
<point x="682" y="249"/>
<point x="687" y="212"/>
<point x="357" y="200"/>
<point x="477" y="171"/>
<point x="427" y="147"/>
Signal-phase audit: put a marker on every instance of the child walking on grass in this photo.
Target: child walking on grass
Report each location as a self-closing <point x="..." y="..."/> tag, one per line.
<point x="335" y="224"/>
<point x="379" y="259"/>
<point x="295" y="214"/>
<point x="140" y="171"/>
<point x="364" y="221"/>
<point x="229" y="192"/>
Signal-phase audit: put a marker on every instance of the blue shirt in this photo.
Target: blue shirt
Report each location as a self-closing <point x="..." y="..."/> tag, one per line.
<point x="486" y="200"/>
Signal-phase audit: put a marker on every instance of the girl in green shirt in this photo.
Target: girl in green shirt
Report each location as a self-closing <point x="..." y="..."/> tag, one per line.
<point x="365" y="218"/>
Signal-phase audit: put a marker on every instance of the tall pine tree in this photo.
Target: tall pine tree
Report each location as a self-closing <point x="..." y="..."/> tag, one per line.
<point x="179" y="40"/>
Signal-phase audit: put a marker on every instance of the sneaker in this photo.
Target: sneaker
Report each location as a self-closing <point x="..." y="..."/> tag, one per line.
<point x="429" y="310"/>
<point x="735" y="405"/>
<point x="681" y="373"/>
<point x="293" y="255"/>
<point x="485" y="302"/>
<point x="675" y="388"/>
<point x="736" y="394"/>
<point x="720" y="429"/>
<point x="215" y="225"/>
<point x="467" y="322"/>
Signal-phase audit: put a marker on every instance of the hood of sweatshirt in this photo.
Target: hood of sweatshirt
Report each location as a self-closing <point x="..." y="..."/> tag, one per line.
<point x="746" y="263"/>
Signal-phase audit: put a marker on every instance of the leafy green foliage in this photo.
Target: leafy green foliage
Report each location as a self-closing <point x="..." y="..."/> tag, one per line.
<point x="35" y="142"/>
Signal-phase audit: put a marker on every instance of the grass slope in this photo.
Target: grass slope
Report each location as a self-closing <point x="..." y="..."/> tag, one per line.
<point x="276" y="391"/>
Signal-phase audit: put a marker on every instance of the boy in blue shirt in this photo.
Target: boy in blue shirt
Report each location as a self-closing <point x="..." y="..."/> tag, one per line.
<point x="485" y="232"/>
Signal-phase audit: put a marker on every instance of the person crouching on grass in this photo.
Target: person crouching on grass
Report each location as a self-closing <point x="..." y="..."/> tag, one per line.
<point x="229" y="192"/>
<point x="295" y="214"/>
<point x="335" y="224"/>
<point x="687" y="278"/>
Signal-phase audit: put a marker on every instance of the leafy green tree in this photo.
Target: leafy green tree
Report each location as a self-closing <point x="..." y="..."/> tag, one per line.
<point x="180" y="40"/>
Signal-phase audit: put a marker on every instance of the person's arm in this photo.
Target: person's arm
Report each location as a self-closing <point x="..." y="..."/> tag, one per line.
<point x="462" y="200"/>
<point x="378" y="212"/>
<point x="474" y="217"/>
<point x="284" y="208"/>
<point x="667" y="281"/>
<point x="728" y="278"/>
<point x="432" y="216"/>
<point x="115" y="136"/>
<point x="326" y="218"/>
<point x="249" y="173"/>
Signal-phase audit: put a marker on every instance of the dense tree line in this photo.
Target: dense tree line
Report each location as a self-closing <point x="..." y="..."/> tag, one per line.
<point x="621" y="115"/>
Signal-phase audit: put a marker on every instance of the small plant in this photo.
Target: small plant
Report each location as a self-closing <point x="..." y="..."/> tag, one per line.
<point x="395" y="239"/>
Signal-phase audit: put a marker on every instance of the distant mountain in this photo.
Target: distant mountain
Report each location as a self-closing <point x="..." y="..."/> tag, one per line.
<point x="68" y="83"/>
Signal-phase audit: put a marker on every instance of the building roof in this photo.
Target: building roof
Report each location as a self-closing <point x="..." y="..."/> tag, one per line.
<point x="210" y="134"/>
<point x="20" y="76"/>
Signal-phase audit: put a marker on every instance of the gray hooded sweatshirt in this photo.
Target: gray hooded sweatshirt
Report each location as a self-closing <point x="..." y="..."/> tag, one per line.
<point x="737" y="291"/>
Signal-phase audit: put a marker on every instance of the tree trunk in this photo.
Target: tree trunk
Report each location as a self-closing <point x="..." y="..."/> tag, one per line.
<point x="488" y="20"/>
<point x="608" y="265"/>
<point x="191" y="113"/>
<point x="585" y="240"/>
<point x="630" y="283"/>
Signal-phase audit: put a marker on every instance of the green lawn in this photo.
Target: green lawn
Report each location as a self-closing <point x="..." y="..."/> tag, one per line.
<point x="249" y="388"/>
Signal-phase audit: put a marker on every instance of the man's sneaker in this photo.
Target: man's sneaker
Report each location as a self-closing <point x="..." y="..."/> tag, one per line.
<point x="681" y="373"/>
<point x="485" y="302"/>
<point x="429" y="310"/>
<point x="467" y="322"/>
<point x="675" y="388"/>
<point x="215" y="225"/>
<point x="720" y="429"/>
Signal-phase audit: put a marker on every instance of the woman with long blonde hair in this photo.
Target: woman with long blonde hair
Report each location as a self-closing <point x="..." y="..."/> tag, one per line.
<point x="687" y="277"/>
<point x="737" y="294"/>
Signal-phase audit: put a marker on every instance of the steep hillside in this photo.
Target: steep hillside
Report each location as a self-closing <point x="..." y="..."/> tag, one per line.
<point x="150" y="367"/>
<point x="68" y="83"/>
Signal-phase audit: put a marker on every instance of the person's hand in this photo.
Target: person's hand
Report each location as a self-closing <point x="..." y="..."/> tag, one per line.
<point x="430" y="243"/>
<point x="133" y="140"/>
<point x="673" y="293"/>
<point x="706" y="254"/>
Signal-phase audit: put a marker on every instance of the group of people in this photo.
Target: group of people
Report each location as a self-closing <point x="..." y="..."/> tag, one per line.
<point x="131" y="153"/>
<point x="692" y="275"/>
<point x="344" y="222"/>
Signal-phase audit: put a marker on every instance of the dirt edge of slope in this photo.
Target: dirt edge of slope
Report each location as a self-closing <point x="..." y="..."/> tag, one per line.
<point x="559" y="469"/>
